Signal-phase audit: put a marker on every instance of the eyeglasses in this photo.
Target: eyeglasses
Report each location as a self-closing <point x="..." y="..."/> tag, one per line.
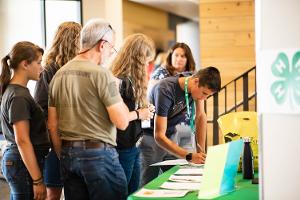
<point x="111" y="46"/>
<point x="108" y="28"/>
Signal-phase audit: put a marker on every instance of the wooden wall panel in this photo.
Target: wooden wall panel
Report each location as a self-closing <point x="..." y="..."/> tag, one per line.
<point x="227" y="41"/>
<point x="227" y="9"/>
<point x="144" y="15"/>
<point x="221" y="1"/>
<point x="138" y="18"/>
<point x="226" y="24"/>
<point x="227" y="36"/>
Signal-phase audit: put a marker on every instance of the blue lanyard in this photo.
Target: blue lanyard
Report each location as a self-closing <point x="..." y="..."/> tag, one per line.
<point x="190" y="115"/>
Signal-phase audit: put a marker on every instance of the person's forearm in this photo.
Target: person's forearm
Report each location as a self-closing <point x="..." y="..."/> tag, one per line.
<point x="56" y="141"/>
<point x="133" y="115"/>
<point x="29" y="158"/>
<point x="170" y="146"/>
<point x="53" y="129"/>
<point x="160" y="128"/>
<point x="201" y="125"/>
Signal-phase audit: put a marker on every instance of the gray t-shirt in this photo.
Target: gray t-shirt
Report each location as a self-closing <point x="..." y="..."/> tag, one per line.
<point x="81" y="91"/>
<point x="17" y="104"/>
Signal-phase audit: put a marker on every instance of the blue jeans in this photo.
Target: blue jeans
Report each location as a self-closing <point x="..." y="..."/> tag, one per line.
<point x="92" y="174"/>
<point x="17" y="175"/>
<point x="130" y="161"/>
<point x="52" y="177"/>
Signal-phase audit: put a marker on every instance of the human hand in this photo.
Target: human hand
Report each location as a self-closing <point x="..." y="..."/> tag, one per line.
<point x="39" y="191"/>
<point x="198" y="158"/>
<point x="145" y="113"/>
<point x="151" y="107"/>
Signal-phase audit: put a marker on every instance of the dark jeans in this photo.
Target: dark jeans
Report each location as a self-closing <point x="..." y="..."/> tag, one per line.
<point x="17" y="175"/>
<point x="94" y="174"/>
<point x="130" y="161"/>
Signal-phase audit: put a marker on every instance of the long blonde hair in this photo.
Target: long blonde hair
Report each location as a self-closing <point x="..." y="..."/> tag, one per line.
<point x="65" y="45"/>
<point x="131" y="62"/>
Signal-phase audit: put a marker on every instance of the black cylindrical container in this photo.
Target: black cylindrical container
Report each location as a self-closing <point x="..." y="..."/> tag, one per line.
<point x="247" y="164"/>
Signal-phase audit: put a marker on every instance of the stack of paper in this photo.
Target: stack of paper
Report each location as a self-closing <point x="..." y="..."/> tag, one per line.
<point x="186" y="179"/>
<point x="171" y="162"/>
<point x="160" y="193"/>
<point x="190" y="171"/>
<point x="180" y="186"/>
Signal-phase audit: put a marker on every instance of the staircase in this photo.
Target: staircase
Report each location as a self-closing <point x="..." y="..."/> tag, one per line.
<point x="237" y="95"/>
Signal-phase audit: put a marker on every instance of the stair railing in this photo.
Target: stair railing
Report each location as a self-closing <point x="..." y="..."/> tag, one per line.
<point x="245" y="101"/>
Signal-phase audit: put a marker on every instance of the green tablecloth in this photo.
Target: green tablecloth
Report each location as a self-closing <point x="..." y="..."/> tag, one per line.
<point x="245" y="189"/>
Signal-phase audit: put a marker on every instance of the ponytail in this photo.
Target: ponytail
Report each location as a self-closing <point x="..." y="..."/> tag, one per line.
<point x="5" y="75"/>
<point x="21" y="51"/>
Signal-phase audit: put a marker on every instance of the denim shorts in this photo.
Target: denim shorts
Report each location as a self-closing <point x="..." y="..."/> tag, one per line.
<point x="17" y="175"/>
<point x="52" y="177"/>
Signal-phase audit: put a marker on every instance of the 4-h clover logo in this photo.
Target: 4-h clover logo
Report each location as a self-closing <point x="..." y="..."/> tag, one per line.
<point x="288" y="83"/>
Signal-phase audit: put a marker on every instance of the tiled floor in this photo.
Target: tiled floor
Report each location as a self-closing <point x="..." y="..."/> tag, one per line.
<point x="4" y="190"/>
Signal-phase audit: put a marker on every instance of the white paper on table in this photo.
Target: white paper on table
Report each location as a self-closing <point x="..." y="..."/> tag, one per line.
<point x="189" y="171"/>
<point x="171" y="162"/>
<point x="180" y="186"/>
<point x="160" y="193"/>
<point x="196" y="165"/>
<point x="186" y="179"/>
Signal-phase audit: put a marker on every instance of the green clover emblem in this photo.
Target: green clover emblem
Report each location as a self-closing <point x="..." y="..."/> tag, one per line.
<point x="288" y="83"/>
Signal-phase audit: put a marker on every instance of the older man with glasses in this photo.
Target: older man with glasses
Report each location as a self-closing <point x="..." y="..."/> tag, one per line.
<point x="85" y="108"/>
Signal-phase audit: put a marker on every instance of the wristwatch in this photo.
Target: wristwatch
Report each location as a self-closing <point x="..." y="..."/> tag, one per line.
<point x="188" y="156"/>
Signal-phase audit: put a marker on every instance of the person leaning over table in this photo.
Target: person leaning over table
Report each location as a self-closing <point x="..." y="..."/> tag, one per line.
<point x="23" y="123"/>
<point x="176" y="114"/>
<point x="85" y="108"/>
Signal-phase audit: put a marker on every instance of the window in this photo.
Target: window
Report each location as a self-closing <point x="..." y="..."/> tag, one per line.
<point x="35" y="21"/>
<point x="58" y="12"/>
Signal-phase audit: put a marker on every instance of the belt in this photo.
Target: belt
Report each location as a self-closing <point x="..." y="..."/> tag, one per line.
<point x="86" y="144"/>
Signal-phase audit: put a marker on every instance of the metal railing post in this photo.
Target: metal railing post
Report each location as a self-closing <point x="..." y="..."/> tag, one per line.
<point x="215" y="118"/>
<point x="245" y="93"/>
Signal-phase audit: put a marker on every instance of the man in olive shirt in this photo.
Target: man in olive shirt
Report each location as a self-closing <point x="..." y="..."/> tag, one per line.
<point x="85" y="108"/>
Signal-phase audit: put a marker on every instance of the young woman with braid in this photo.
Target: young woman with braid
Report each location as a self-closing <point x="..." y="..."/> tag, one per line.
<point x="23" y="123"/>
<point x="65" y="47"/>
<point x="130" y="67"/>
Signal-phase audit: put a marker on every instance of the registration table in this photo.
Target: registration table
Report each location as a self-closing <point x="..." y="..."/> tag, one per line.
<point x="245" y="189"/>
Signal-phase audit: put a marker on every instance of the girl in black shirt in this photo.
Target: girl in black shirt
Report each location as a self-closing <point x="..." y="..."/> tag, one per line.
<point x="23" y="123"/>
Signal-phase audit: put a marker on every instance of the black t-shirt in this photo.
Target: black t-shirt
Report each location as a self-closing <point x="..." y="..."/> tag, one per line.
<point x="17" y="104"/>
<point x="42" y="87"/>
<point x="169" y="101"/>
<point x="128" y="137"/>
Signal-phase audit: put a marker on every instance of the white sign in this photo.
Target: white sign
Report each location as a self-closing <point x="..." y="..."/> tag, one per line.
<point x="278" y="81"/>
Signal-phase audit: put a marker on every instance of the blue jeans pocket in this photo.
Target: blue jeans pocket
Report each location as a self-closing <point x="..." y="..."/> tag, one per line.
<point x="14" y="169"/>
